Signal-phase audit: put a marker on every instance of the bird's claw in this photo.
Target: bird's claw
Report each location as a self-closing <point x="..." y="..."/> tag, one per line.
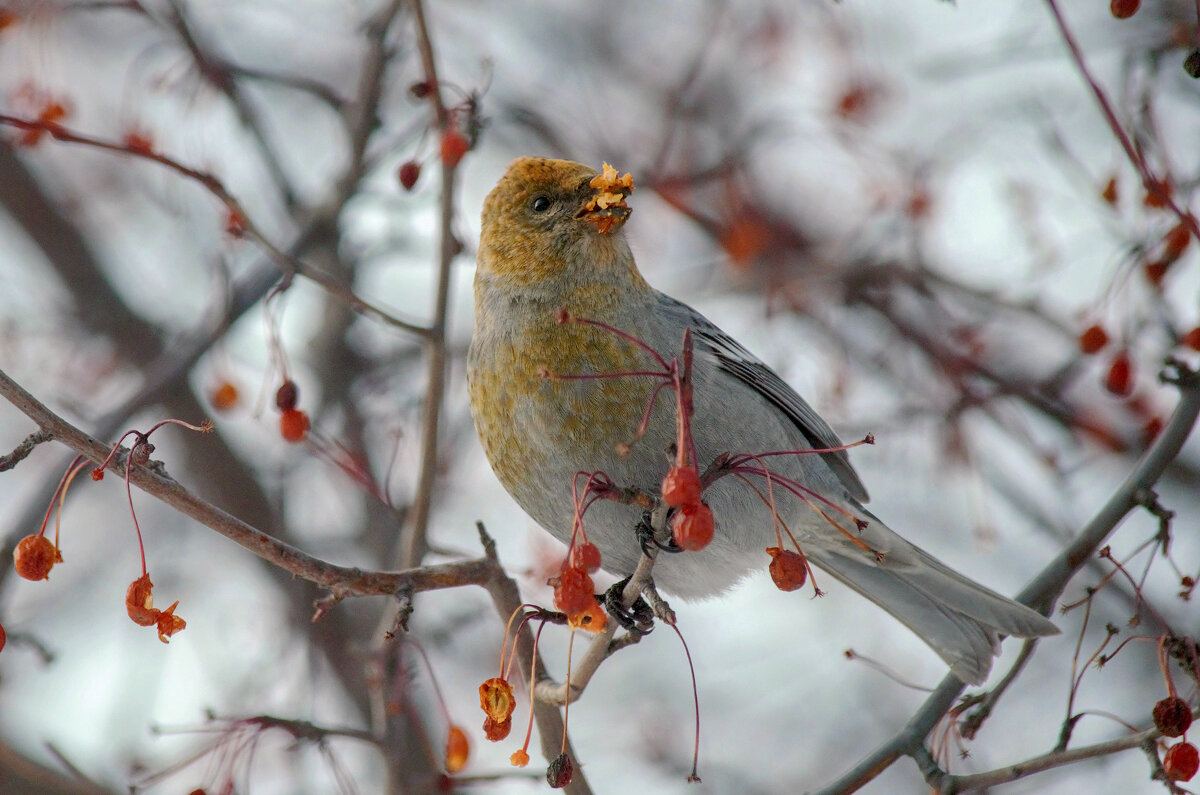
<point x="638" y="618"/>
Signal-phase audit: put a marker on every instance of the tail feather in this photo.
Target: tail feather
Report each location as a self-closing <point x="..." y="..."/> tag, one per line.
<point x="959" y="619"/>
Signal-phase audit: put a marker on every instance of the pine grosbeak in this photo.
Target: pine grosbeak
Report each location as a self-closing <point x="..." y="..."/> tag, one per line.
<point x="548" y="246"/>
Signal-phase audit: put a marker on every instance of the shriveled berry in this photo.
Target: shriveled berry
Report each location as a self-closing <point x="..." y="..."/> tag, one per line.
<point x="519" y="758"/>
<point x="1172" y="716"/>
<point x="789" y="570"/>
<point x="34" y="556"/>
<point x="1109" y="194"/>
<point x="287" y="395"/>
<point x="1181" y="761"/>
<point x="409" y="173"/>
<point x="681" y="486"/>
<point x="1119" y="380"/>
<point x="585" y="557"/>
<point x="560" y="771"/>
<point x="692" y="526"/>
<point x="496" y="731"/>
<point x="1191" y="64"/>
<point x="293" y="425"/>
<point x="496" y="699"/>
<point x="1092" y="339"/>
<point x="139" y="602"/>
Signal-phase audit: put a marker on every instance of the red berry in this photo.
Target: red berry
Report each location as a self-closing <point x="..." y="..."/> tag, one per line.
<point x="1176" y="241"/>
<point x="585" y="557"/>
<point x="454" y="146"/>
<point x="1124" y="9"/>
<point x="559" y="774"/>
<point x="1119" y="380"/>
<point x="1156" y="271"/>
<point x="681" y="486"/>
<point x="574" y="592"/>
<point x="1181" y="762"/>
<point x="293" y="425"/>
<point x="1109" y="194"/>
<point x="1172" y="716"/>
<point x="1192" y="339"/>
<point x="1092" y="339"/>
<point x="3" y="637"/>
<point x="496" y="731"/>
<point x="692" y="526"/>
<point x="788" y="569"/>
<point x="287" y="395"/>
<point x="34" y="556"/>
<point x="409" y="173"/>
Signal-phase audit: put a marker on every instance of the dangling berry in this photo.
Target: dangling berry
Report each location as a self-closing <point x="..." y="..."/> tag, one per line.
<point x="789" y="570"/>
<point x="681" y="486"/>
<point x="1092" y="339"/>
<point x="454" y="146"/>
<point x="1172" y="716"/>
<point x="1109" y="194"/>
<point x="496" y="731"/>
<point x="35" y="556"/>
<point x="692" y="526"/>
<point x="519" y="758"/>
<point x="496" y="699"/>
<point x="559" y="774"/>
<point x="287" y="395"/>
<point x="1124" y="9"/>
<point x="409" y="173"/>
<point x="1181" y="762"/>
<point x="224" y="397"/>
<point x="574" y="591"/>
<point x="293" y="425"/>
<point x="585" y="557"/>
<point x="1119" y="380"/>
<point x="457" y="750"/>
<point x="1192" y="339"/>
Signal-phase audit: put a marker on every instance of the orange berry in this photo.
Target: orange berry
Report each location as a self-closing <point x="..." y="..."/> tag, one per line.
<point x="1172" y="716"/>
<point x="789" y="570"/>
<point x="1192" y="339"/>
<point x="224" y="397"/>
<point x="454" y="146"/>
<point x="35" y="556"/>
<point x="520" y="758"/>
<point x="692" y="526"/>
<point x="457" y="750"/>
<point x="235" y="223"/>
<point x="496" y="699"/>
<point x="409" y="173"/>
<point x="1124" y="9"/>
<point x="138" y="141"/>
<point x="1181" y="762"/>
<point x="1109" y="194"/>
<point x="1119" y="380"/>
<point x="139" y="602"/>
<point x="681" y="486"/>
<point x="585" y="557"/>
<point x="1092" y="339"/>
<point x="293" y="425"/>
<point x="169" y="623"/>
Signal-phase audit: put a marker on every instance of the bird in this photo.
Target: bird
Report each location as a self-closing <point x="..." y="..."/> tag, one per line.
<point x="561" y="381"/>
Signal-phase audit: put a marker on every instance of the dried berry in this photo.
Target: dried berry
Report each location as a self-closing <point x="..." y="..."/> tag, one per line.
<point x="1191" y="64"/>
<point x="454" y="146"/>
<point x="1172" y="716"/>
<point x="1181" y="762"/>
<point x="559" y="774"/>
<point x="574" y="591"/>
<point x="139" y="602"/>
<point x="692" y="526"/>
<point x="1119" y="380"/>
<point x="585" y="557"/>
<point x="287" y="396"/>
<point x="681" y="486"/>
<point x="1109" y="194"/>
<point x="496" y="731"/>
<point x="35" y="556"/>
<point x="224" y="397"/>
<point x="496" y="699"/>
<point x="519" y="758"/>
<point x="1124" y="9"/>
<point x="293" y="425"/>
<point x="789" y="570"/>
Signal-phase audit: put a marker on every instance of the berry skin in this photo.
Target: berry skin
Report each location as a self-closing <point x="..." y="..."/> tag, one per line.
<point x="1093" y="339"/>
<point x="585" y="557"/>
<point x="1172" y="716"/>
<point x="1181" y="761"/>
<point x="693" y="526"/>
<point x="574" y="592"/>
<point x="681" y="486"/>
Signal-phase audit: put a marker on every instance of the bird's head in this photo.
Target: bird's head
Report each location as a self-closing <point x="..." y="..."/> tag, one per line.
<point x="554" y="219"/>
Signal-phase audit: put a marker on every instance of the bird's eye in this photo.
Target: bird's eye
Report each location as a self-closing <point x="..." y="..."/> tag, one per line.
<point x="540" y="204"/>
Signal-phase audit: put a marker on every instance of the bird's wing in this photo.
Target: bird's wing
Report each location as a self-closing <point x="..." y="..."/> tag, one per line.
<point x="738" y="362"/>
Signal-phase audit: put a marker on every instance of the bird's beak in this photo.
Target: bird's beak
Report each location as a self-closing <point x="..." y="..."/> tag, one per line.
<point x="605" y="204"/>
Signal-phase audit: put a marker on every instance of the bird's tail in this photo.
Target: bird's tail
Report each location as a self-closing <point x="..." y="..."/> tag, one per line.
<point x="960" y="619"/>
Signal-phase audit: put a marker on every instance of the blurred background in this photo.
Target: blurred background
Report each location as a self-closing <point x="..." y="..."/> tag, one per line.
<point x="912" y="211"/>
